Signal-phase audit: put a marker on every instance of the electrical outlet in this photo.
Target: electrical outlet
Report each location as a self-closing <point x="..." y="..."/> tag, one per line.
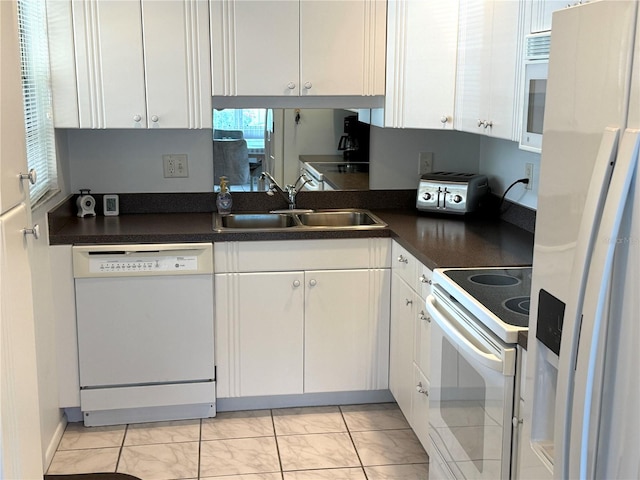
<point x="175" y="166"/>
<point x="528" y="173"/>
<point x="426" y="163"/>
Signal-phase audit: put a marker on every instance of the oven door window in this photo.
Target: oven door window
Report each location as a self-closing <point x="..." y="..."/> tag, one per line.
<point x="470" y="410"/>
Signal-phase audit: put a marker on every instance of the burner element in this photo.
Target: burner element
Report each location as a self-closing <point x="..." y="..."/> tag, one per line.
<point x="494" y="279"/>
<point x="518" y="305"/>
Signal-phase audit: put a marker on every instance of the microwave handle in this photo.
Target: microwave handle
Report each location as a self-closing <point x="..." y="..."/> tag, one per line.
<point x="487" y="359"/>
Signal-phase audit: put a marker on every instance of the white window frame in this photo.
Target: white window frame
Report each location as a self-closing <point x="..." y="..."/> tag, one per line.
<point x="37" y="97"/>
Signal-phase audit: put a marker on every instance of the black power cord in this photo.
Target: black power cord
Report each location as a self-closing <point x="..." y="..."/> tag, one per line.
<point x="521" y="180"/>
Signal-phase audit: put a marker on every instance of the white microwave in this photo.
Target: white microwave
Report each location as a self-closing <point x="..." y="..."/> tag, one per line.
<point x="536" y="67"/>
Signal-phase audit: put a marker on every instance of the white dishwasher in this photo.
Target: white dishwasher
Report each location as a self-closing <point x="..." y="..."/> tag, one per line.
<point x="145" y="332"/>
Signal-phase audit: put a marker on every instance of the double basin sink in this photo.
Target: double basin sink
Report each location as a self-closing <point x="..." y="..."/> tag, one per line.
<point x="357" y="219"/>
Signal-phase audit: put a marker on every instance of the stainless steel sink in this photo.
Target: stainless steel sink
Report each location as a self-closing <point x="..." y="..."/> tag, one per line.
<point x="259" y="221"/>
<point x="356" y="219"/>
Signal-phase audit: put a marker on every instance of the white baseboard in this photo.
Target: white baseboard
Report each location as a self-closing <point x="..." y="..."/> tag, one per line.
<point x="55" y="441"/>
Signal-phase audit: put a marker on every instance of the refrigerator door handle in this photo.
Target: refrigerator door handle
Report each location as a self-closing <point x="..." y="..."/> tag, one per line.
<point x="594" y="204"/>
<point x="589" y="355"/>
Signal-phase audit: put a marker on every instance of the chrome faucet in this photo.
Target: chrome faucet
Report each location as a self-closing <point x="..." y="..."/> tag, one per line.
<point x="289" y="192"/>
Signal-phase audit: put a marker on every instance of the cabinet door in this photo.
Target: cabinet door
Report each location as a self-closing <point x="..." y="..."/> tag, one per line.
<point x="421" y="64"/>
<point x="346" y="330"/>
<point x="507" y="38"/>
<point x="255" y="47"/>
<point x="177" y="63"/>
<point x="20" y="443"/>
<point x="404" y="305"/>
<point x="259" y="333"/>
<point x="13" y="158"/>
<point x="474" y="64"/>
<point x="420" y="408"/>
<point x="110" y="65"/>
<point x="489" y="46"/>
<point x="342" y="47"/>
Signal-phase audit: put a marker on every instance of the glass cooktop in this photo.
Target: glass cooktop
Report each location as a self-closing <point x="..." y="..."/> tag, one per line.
<point x="503" y="291"/>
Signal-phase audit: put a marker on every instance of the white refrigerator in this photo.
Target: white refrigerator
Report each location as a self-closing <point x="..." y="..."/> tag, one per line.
<point x="20" y="441"/>
<point x="581" y="414"/>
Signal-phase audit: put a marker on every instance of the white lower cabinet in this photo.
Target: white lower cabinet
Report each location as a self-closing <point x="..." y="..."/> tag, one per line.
<point x="260" y="329"/>
<point x="301" y="330"/>
<point x="420" y="407"/>
<point x="410" y="336"/>
<point x="346" y="330"/>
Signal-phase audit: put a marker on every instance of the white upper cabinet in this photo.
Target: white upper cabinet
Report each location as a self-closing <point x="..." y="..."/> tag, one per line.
<point x="422" y="39"/>
<point x="142" y="63"/>
<point x="298" y="47"/>
<point x="13" y="157"/>
<point x="488" y="77"/>
<point x="541" y="13"/>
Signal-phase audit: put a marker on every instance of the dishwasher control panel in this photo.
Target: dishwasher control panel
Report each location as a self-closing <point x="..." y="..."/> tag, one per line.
<point x="142" y="260"/>
<point x="145" y="264"/>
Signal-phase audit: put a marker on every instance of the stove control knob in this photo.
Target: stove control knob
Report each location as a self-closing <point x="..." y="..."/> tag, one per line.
<point x="427" y="196"/>
<point x="457" y="199"/>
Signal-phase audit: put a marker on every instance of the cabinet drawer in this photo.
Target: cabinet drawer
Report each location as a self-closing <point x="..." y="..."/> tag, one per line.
<point x="404" y="265"/>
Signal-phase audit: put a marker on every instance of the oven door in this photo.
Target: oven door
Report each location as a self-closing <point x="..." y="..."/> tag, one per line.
<point x="471" y="398"/>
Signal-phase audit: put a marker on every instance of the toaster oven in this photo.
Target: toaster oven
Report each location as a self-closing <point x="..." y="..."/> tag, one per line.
<point x="451" y="192"/>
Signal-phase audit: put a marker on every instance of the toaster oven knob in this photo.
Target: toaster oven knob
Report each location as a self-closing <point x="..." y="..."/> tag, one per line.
<point x="457" y="199"/>
<point x="427" y="196"/>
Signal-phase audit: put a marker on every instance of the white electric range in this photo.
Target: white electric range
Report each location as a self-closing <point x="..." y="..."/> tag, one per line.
<point x="476" y="316"/>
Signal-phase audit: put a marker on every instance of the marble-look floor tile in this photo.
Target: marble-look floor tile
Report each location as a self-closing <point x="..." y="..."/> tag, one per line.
<point x="251" y="423"/>
<point x="388" y="447"/>
<point x="418" y="471"/>
<point x="317" y="451"/>
<point x="163" y="432"/>
<point x="292" y="421"/>
<point x="238" y="456"/>
<point x="328" y="474"/>
<point x="160" y="462"/>
<point x="92" y="460"/>
<point x="77" y="436"/>
<point x="376" y="416"/>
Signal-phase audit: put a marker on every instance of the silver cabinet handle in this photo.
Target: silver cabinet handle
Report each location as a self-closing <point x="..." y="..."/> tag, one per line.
<point x="31" y="176"/>
<point x="308" y="85"/>
<point x="488" y="123"/>
<point x="312" y="283"/>
<point x="402" y="259"/>
<point x="421" y="389"/>
<point x="35" y="231"/>
<point x="409" y="302"/>
<point x="444" y="119"/>
<point x="481" y="122"/>
<point x="296" y="283"/>
<point x="424" y="316"/>
<point x="154" y="118"/>
<point x="424" y="279"/>
<point x="291" y="85"/>
<point x="137" y="118"/>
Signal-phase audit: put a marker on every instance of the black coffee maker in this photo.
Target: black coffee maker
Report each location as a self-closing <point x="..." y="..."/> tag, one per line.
<point x="354" y="144"/>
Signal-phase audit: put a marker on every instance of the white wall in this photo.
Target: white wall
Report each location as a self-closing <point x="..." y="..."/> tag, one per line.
<point x="394" y="155"/>
<point x="504" y="163"/>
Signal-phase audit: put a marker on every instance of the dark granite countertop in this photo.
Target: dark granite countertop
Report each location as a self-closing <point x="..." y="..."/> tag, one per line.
<point x="435" y="241"/>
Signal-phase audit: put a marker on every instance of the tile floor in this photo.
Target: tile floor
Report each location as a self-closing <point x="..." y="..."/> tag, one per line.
<point x="355" y="442"/>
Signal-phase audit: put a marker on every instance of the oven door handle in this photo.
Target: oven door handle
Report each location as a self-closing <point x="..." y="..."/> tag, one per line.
<point x="487" y="359"/>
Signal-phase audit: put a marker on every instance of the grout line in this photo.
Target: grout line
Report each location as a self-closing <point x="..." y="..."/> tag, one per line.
<point x="200" y="448"/>
<point x="352" y="442"/>
<point x="275" y="437"/>
<point x="124" y="437"/>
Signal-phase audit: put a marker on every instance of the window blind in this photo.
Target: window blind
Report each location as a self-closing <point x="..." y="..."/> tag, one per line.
<point x="36" y="88"/>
